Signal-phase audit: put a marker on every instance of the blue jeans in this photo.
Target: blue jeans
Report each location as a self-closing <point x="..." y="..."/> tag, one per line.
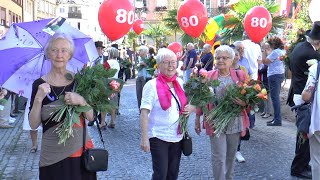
<point x="186" y="75"/>
<point x="275" y="87"/>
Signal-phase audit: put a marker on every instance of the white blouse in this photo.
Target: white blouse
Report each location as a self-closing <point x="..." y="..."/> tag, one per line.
<point x="162" y="124"/>
<point x="315" y="118"/>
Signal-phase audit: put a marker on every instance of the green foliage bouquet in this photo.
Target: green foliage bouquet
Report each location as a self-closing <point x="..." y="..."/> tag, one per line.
<point x="151" y="65"/>
<point x="199" y="92"/>
<point x="94" y="84"/>
<point x="226" y="110"/>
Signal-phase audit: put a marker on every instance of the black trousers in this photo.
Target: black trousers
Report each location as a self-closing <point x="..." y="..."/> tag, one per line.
<point x="166" y="158"/>
<point x="301" y="159"/>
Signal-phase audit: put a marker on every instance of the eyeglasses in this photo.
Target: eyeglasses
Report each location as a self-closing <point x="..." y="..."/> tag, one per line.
<point x="56" y="51"/>
<point x="223" y="58"/>
<point x="169" y="62"/>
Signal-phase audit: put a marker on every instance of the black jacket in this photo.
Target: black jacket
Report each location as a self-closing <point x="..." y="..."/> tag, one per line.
<point x="298" y="66"/>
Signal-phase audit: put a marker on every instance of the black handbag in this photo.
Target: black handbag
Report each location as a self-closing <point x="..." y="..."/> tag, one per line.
<point x="247" y="136"/>
<point x="95" y="159"/>
<point x="186" y="144"/>
<point x="303" y="117"/>
<point x="303" y="111"/>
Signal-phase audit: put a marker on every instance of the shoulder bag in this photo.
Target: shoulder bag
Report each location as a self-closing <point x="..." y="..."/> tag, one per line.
<point x="186" y="142"/>
<point x="95" y="159"/>
<point x="303" y="111"/>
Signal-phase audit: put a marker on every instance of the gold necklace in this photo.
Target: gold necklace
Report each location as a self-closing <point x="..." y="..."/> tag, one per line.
<point x="57" y="96"/>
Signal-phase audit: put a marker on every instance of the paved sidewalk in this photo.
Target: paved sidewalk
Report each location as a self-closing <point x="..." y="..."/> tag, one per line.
<point x="268" y="153"/>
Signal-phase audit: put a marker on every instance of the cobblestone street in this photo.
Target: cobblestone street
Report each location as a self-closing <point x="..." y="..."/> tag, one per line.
<point x="268" y="153"/>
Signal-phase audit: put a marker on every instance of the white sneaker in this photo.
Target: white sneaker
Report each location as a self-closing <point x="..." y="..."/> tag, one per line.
<point x="239" y="157"/>
<point x="12" y="120"/>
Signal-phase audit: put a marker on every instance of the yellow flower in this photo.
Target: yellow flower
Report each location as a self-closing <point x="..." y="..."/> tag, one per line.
<point x="264" y="91"/>
<point x="155" y="66"/>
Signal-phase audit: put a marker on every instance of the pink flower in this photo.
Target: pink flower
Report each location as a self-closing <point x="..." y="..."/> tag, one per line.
<point x="203" y="73"/>
<point x="195" y="70"/>
<point x="115" y="85"/>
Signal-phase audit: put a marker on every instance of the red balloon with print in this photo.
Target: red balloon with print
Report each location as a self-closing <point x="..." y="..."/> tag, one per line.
<point x="138" y="26"/>
<point x="116" y="18"/>
<point x="257" y="23"/>
<point x="192" y="17"/>
<point x="176" y="48"/>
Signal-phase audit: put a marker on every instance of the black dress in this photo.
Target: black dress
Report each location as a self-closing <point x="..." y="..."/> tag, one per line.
<point x="70" y="167"/>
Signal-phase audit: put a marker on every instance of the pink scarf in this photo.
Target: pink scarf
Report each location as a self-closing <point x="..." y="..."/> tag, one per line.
<point x="164" y="94"/>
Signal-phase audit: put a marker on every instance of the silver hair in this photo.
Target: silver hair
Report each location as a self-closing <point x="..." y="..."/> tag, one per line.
<point x="224" y="48"/>
<point x="144" y="49"/>
<point x="190" y="44"/>
<point x="113" y="53"/>
<point x="164" y="53"/>
<point x="207" y="46"/>
<point x="55" y="37"/>
<point x="237" y="43"/>
<point x="313" y="41"/>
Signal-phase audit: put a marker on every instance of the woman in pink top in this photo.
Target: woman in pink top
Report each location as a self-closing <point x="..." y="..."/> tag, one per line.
<point x="224" y="147"/>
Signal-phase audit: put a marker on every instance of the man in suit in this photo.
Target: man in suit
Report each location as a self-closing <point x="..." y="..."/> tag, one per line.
<point x="303" y="52"/>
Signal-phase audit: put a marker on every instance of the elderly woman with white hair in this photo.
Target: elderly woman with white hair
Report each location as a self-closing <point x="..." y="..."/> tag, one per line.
<point x="59" y="161"/>
<point x="163" y="100"/>
<point x="224" y="147"/>
<point x="113" y="54"/>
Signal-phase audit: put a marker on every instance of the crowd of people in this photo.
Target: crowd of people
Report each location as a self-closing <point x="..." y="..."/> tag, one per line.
<point x="161" y="100"/>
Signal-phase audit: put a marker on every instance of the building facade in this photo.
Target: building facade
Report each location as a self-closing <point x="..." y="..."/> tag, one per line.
<point x="11" y="11"/>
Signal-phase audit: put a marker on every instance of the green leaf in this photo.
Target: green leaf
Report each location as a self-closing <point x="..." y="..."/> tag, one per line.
<point x="76" y="118"/>
<point x="80" y="109"/>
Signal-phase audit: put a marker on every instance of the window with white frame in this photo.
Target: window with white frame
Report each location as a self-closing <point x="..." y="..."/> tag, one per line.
<point x="62" y="10"/>
<point x="2" y="16"/>
<point x="162" y="3"/>
<point x="222" y="3"/>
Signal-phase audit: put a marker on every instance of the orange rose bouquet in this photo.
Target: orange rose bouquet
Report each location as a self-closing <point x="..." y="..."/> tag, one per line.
<point x="226" y="110"/>
<point x="199" y="92"/>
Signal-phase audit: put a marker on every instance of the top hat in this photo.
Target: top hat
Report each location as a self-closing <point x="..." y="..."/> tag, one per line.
<point x="99" y="44"/>
<point x="115" y="46"/>
<point x="314" y="33"/>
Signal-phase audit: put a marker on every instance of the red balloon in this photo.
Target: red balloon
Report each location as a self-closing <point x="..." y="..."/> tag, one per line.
<point x="138" y="26"/>
<point x="257" y="23"/>
<point x="176" y="48"/>
<point x="192" y="17"/>
<point x="116" y="19"/>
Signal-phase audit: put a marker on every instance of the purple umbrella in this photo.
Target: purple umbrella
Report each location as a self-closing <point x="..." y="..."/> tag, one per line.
<point x="22" y="58"/>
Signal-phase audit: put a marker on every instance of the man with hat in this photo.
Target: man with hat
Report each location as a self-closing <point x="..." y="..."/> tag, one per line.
<point x="302" y="52"/>
<point x="100" y="59"/>
<point x="100" y="48"/>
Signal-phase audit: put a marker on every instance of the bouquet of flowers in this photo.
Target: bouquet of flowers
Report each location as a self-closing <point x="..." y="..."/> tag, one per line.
<point x="151" y="65"/>
<point x="125" y="63"/>
<point x="94" y="84"/>
<point x="310" y="62"/>
<point x="226" y="110"/>
<point x="199" y="92"/>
